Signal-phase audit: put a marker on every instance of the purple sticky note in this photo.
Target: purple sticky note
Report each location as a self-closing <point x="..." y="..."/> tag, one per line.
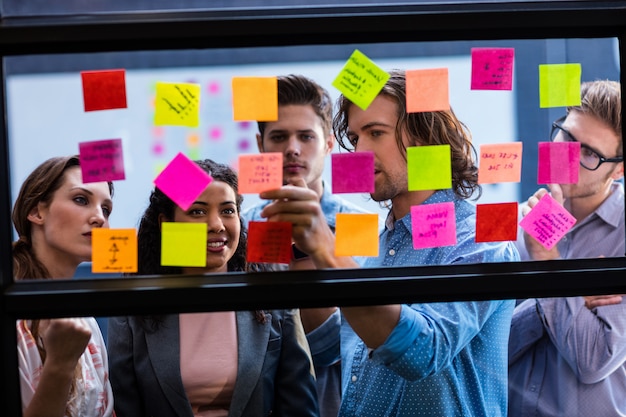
<point x="492" y="68"/>
<point x="101" y="160"/>
<point x="353" y="172"/>
<point x="547" y="222"/>
<point x="433" y="225"/>
<point x="182" y="181"/>
<point x="558" y="163"/>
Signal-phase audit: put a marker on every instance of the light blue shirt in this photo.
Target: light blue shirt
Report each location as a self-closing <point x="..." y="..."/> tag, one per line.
<point x="442" y="359"/>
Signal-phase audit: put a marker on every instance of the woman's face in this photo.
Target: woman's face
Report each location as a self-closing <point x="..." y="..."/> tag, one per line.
<point x="62" y="228"/>
<point x="217" y="207"/>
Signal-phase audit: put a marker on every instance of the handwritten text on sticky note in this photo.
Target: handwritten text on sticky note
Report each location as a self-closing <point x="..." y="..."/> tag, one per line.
<point x="260" y="172"/>
<point x="177" y="104"/>
<point x="548" y="222"/>
<point x="269" y="242"/>
<point x="360" y="80"/>
<point x="101" y="160"/>
<point x="182" y="180"/>
<point x="113" y="250"/>
<point x="434" y="225"/>
<point x="352" y="172"/>
<point x="500" y="162"/>
<point x="492" y="68"/>
<point x="558" y="162"/>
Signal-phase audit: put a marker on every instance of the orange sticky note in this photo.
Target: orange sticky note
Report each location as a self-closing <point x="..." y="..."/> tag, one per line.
<point x="496" y="222"/>
<point x="427" y="90"/>
<point x="356" y="234"/>
<point x="177" y="104"/>
<point x="269" y="242"/>
<point x="255" y="98"/>
<point x="260" y="172"/>
<point x="501" y="162"/>
<point x="113" y="250"/>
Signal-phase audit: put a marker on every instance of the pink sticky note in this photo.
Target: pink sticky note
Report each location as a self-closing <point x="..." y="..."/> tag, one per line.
<point x="101" y="160"/>
<point x="353" y="172"/>
<point x="492" y="68"/>
<point x="548" y="222"/>
<point x="183" y="181"/>
<point x="104" y="90"/>
<point x="558" y="163"/>
<point x="260" y="172"/>
<point x="434" y="225"/>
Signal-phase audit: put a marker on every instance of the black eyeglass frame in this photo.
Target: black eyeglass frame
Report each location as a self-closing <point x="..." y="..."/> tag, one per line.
<point x="557" y="125"/>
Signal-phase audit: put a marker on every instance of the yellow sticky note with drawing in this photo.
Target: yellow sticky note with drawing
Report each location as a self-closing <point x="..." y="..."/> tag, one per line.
<point x="177" y="104"/>
<point x="113" y="250"/>
<point x="356" y="234"/>
<point x="255" y="98"/>
<point x="183" y="244"/>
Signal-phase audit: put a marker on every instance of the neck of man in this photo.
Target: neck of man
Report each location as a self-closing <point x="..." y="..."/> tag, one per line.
<point x="581" y="207"/>
<point x="401" y="204"/>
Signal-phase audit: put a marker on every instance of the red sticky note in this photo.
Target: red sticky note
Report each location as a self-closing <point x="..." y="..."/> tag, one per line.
<point x="104" y="90"/>
<point x="492" y="68"/>
<point x="558" y="163"/>
<point x="183" y="181"/>
<point x="427" y="90"/>
<point x="548" y="222"/>
<point x="496" y="222"/>
<point x="352" y="172"/>
<point x="101" y="160"/>
<point x="260" y="172"/>
<point x="433" y="225"/>
<point x="269" y="242"/>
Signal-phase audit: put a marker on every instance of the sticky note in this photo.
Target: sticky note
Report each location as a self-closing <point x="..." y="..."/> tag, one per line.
<point x="182" y="180"/>
<point x="558" y="162"/>
<point x="356" y="234"/>
<point x="559" y="85"/>
<point x="496" y="222"/>
<point x="255" y="98"/>
<point x="260" y="172"/>
<point x="177" y="104"/>
<point x="492" y="68"/>
<point x="113" y="250"/>
<point x="352" y="172"/>
<point x="104" y="90"/>
<point x="269" y="242"/>
<point x="101" y="160"/>
<point x="434" y="225"/>
<point x="500" y="162"/>
<point x="183" y="244"/>
<point x="429" y="167"/>
<point x="547" y="222"/>
<point x="360" y="80"/>
<point x="427" y="90"/>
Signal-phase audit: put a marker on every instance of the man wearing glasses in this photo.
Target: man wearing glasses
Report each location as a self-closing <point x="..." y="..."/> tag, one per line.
<point x="567" y="356"/>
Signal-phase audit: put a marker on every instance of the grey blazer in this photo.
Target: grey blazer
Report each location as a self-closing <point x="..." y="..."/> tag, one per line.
<point x="273" y="376"/>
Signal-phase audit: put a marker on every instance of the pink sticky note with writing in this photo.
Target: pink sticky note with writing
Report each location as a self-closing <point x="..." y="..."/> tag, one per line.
<point x="558" y="163"/>
<point x="183" y="181"/>
<point x="101" y="160"/>
<point x="492" y="68"/>
<point x="260" y="172"/>
<point x="500" y="162"/>
<point x="427" y="90"/>
<point x="104" y="90"/>
<point x="547" y="222"/>
<point x="433" y="225"/>
<point x="353" y="172"/>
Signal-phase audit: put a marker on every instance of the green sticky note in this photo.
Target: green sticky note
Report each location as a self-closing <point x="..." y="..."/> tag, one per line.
<point x="183" y="244"/>
<point x="429" y="167"/>
<point x="360" y="80"/>
<point x="559" y="85"/>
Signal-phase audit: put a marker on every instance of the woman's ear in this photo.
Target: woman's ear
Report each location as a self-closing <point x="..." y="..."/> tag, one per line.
<point x="36" y="215"/>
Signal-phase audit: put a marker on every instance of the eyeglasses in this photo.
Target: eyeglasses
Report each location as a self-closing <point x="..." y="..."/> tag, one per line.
<point x="589" y="159"/>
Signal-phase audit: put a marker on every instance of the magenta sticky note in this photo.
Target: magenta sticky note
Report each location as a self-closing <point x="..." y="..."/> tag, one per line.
<point x="558" y="163"/>
<point x="492" y="68"/>
<point x="547" y="222"/>
<point x="183" y="181"/>
<point x="102" y="160"/>
<point x="433" y="225"/>
<point x="352" y="172"/>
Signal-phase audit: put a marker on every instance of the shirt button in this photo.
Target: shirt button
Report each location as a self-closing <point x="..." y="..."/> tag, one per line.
<point x="354" y="378"/>
<point x="392" y="252"/>
<point x="532" y="388"/>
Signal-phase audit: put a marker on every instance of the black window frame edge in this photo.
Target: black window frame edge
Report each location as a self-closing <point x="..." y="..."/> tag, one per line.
<point x="308" y="26"/>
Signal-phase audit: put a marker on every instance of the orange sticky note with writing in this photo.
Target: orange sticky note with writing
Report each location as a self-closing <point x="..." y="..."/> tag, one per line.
<point x="113" y="250"/>
<point x="427" y="90"/>
<point x="356" y="234"/>
<point x="260" y="172"/>
<point x="269" y="242"/>
<point x="500" y="162"/>
<point x="255" y="98"/>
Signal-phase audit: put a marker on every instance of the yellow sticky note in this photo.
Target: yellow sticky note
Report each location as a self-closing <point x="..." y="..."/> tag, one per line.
<point x="356" y="234"/>
<point x="183" y="244"/>
<point x="255" y="98"/>
<point x="177" y="104"/>
<point x="429" y="167"/>
<point x="500" y="162"/>
<point x="360" y="80"/>
<point x="427" y="90"/>
<point x="113" y="250"/>
<point x="559" y="85"/>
